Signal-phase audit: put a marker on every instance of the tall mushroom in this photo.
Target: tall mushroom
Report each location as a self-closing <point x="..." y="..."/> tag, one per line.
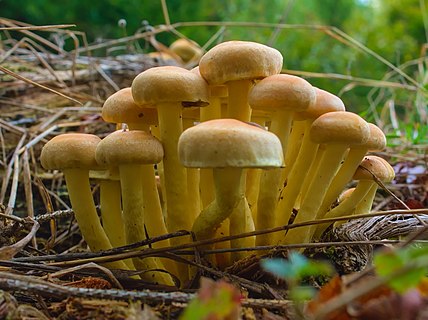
<point x="338" y="131"/>
<point x="170" y="89"/>
<point x="296" y="170"/>
<point x="74" y="155"/>
<point x="131" y="151"/>
<point x="283" y="95"/>
<point x="237" y="64"/>
<point x="228" y="146"/>
<point x="375" y="142"/>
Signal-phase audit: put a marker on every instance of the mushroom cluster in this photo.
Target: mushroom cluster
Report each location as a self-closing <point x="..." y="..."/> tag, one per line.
<point x="231" y="146"/>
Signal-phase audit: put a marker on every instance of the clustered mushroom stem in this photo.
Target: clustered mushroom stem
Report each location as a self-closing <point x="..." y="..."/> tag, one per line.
<point x="153" y="216"/>
<point x="238" y="107"/>
<point x="179" y="215"/>
<point x="347" y="206"/>
<point x="330" y="162"/>
<point x="228" y="192"/>
<point x="270" y="182"/>
<point x="133" y="219"/>
<point x="365" y="206"/>
<point x="296" y="177"/>
<point x="155" y="131"/>
<point x="343" y="176"/>
<point x="241" y="221"/>
<point x="111" y="211"/>
<point x="295" y="141"/>
<point x="83" y="205"/>
<point x="170" y="124"/>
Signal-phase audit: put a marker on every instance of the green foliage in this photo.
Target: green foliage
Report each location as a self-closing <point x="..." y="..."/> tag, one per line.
<point x="395" y="264"/>
<point x="294" y="270"/>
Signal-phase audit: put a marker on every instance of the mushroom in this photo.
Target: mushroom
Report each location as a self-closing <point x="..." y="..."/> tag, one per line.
<point x="283" y="95"/>
<point x="338" y="131"/>
<point x="121" y="108"/>
<point x="74" y="155"/>
<point x="228" y="146"/>
<point x="295" y="171"/>
<point x="187" y="50"/>
<point x="132" y="152"/>
<point x="376" y="142"/>
<point x="363" y="195"/>
<point x="237" y="64"/>
<point x="170" y="89"/>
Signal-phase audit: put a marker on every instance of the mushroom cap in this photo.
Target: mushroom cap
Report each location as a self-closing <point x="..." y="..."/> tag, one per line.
<point x="121" y="108"/>
<point x="169" y="84"/>
<point x="377" y="139"/>
<point x="345" y="194"/>
<point x="324" y="102"/>
<point x="282" y="91"/>
<point x="129" y="147"/>
<point x="340" y="127"/>
<point x="224" y="143"/>
<point x="219" y="91"/>
<point x="70" y="151"/>
<point x="186" y="49"/>
<point x="239" y="60"/>
<point x="376" y="165"/>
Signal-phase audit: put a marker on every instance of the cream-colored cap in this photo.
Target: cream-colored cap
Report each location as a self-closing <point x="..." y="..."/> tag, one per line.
<point x="129" y="147"/>
<point x="186" y="49"/>
<point x="340" y="127"/>
<point x="70" y="150"/>
<point x="121" y="108"/>
<point x="324" y="102"/>
<point x="377" y="139"/>
<point x="376" y="165"/>
<point x="239" y="60"/>
<point x="170" y="84"/>
<point x="280" y="92"/>
<point x="224" y="143"/>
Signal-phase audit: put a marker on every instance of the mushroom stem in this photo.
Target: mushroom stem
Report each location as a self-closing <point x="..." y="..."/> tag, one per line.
<point x="83" y="205"/>
<point x="365" y="206"/>
<point x="238" y="107"/>
<point x="133" y="218"/>
<point x="228" y="192"/>
<point x="347" y="206"/>
<point x="295" y="141"/>
<point x="330" y="162"/>
<point x="170" y="124"/>
<point x="296" y="177"/>
<point x="111" y="211"/>
<point x="154" y="221"/>
<point x="241" y="221"/>
<point x="270" y="182"/>
<point x="343" y="176"/>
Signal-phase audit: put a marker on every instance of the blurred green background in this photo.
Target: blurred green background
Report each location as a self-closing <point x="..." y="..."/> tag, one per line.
<point x="396" y="30"/>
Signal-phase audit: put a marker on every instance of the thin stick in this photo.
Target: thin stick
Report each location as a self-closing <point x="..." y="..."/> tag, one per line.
<point x="54" y="26"/>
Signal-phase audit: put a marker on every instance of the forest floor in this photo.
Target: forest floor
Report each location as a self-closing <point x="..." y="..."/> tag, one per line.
<point x="45" y="270"/>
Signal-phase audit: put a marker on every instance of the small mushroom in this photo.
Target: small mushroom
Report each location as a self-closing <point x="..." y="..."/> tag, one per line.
<point x="132" y="152"/>
<point x="74" y="155"/>
<point x="363" y="195"/>
<point x="338" y="131"/>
